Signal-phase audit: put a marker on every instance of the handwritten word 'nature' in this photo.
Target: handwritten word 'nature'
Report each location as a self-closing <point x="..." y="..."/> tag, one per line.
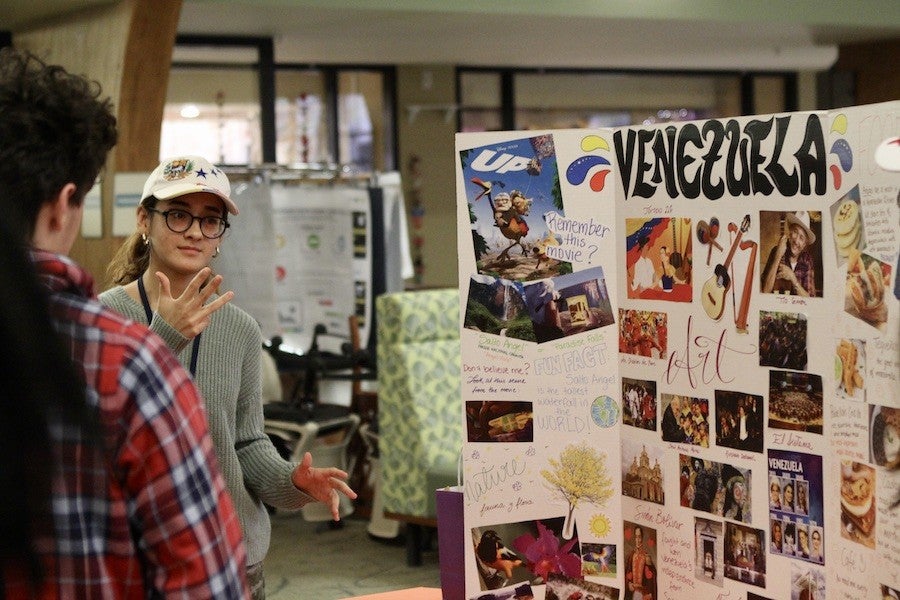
<point x="483" y="481"/>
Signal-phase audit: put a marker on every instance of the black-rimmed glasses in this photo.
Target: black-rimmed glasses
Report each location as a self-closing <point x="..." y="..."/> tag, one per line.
<point x="179" y="221"/>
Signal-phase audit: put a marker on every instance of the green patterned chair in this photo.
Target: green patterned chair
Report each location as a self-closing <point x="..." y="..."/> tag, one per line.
<point x="419" y="405"/>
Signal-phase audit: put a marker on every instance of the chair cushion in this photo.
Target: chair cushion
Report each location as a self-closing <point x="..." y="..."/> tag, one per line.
<point x="419" y="404"/>
<point x="422" y="316"/>
<point x="420" y="419"/>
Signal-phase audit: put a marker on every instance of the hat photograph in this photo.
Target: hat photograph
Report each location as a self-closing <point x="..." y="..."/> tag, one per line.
<point x="186" y="174"/>
<point x="801" y="219"/>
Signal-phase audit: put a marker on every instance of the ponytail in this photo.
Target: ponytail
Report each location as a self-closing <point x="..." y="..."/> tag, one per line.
<point x="133" y="256"/>
<point x="130" y="261"/>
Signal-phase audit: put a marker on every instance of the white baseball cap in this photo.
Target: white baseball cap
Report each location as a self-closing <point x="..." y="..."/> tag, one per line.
<point x="185" y="174"/>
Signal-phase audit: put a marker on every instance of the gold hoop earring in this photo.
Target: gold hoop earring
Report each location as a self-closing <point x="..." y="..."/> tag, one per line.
<point x="144" y="239"/>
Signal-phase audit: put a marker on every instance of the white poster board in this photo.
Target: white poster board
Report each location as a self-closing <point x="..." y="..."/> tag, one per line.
<point x="652" y="409"/>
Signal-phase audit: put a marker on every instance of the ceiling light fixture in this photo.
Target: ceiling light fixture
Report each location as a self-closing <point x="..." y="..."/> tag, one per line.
<point x="190" y="111"/>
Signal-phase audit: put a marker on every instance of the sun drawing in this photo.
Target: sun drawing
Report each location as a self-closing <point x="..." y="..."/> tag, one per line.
<point x="599" y="525"/>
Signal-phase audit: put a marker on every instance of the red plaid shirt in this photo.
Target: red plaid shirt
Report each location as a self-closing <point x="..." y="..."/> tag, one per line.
<point x="146" y="515"/>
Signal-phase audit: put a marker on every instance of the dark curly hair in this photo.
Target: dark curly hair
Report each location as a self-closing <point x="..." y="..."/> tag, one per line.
<point x="55" y="129"/>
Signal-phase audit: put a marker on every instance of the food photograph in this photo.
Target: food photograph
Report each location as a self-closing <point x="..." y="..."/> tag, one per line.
<point x="858" y="503"/>
<point x="885" y="436"/>
<point x="867" y="280"/>
<point x="850" y="369"/>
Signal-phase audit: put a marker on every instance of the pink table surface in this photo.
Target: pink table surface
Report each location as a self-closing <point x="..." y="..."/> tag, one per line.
<point x="419" y="593"/>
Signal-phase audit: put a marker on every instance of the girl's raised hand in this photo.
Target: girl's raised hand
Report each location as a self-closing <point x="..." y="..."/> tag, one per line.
<point x="189" y="313"/>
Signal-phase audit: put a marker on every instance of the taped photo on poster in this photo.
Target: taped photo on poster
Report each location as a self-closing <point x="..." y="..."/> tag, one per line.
<point x="709" y="551"/>
<point x="508" y="554"/>
<point x="499" y="420"/>
<point x="509" y="187"/>
<point x="659" y="258"/>
<point x="540" y="311"/>
<point x="717" y="488"/>
<point x="745" y="554"/>
<point x="796" y="515"/>
<point x="643" y="477"/>
<point x="795" y="401"/>
<point x="639" y="403"/>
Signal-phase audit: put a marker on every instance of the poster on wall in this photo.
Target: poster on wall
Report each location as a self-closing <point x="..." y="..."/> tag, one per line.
<point x="322" y="236"/>
<point x="247" y="259"/>
<point x="286" y="249"/>
<point x="680" y="358"/>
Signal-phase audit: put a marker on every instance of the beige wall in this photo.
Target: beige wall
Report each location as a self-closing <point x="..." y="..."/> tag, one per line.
<point x="92" y="44"/>
<point x="430" y="136"/>
<point x="874" y="66"/>
<point x="126" y="46"/>
<point x="768" y="94"/>
<point x="806" y="91"/>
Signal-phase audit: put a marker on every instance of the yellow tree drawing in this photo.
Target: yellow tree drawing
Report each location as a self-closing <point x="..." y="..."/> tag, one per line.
<point x="578" y="476"/>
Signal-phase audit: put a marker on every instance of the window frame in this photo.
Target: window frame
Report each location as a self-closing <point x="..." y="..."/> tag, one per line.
<point x="507" y="75"/>
<point x="267" y="69"/>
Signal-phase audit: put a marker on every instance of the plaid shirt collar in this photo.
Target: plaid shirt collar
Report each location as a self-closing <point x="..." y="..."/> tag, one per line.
<point x="61" y="274"/>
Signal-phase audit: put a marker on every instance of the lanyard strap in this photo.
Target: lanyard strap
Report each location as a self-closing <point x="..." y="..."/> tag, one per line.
<point x="149" y="312"/>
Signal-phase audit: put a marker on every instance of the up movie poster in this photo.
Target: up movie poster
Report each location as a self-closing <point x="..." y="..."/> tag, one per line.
<point x="680" y="358"/>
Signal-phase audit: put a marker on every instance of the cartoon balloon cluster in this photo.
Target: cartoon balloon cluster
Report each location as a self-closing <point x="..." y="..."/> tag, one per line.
<point x="542" y="146"/>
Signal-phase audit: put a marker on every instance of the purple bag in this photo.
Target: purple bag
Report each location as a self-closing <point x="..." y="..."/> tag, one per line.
<point x="451" y="542"/>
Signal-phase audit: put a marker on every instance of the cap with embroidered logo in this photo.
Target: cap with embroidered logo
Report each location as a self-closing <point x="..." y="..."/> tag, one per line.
<point x="186" y="174"/>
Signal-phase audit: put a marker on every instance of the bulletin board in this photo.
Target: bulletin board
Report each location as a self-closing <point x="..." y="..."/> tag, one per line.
<point x="680" y="358"/>
<point x="304" y="252"/>
<point x="323" y="259"/>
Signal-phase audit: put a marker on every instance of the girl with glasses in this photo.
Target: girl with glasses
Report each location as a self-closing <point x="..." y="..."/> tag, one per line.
<point x="164" y="279"/>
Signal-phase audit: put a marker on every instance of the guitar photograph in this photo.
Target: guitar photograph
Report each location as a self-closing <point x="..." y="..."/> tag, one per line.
<point x="712" y="295"/>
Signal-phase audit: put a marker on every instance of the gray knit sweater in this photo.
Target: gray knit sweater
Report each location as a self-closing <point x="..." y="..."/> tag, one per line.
<point x="228" y="376"/>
